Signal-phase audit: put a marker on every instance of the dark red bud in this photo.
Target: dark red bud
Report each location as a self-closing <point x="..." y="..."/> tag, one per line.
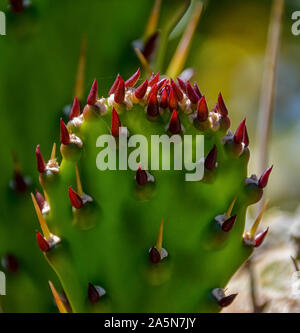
<point x="197" y="90"/>
<point x="221" y="106"/>
<point x="164" y="98"/>
<point x="40" y="199"/>
<point x="211" y="158"/>
<point x="259" y="238"/>
<point x="114" y="86"/>
<point x="246" y="138"/>
<point x="10" y="263"/>
<point x="115" y="124"/>
<point x="172" y="99"/>
<point x="93" y="95"/>
<point x="229" y="223"/>
<point x="133" y="79"/>
<point x="75" y="199"/>
<point x="153" y="90"/>
<point x="140" y="91"/>
<point x="75" y="111"/>
<point x="177" y="90"/>
<point x="239" y="133"/>
<point x="152" y="107"/>
<point x="174" y="124"/>
<point x="263" y="180"/>
<point x="154" y="255"/>
<point x="141" y="176"/>
<point x="64" y="133"/>
<point x="120" y="92"/>
<point x="17" y="5"/>
<point x="93" y="294"/>
<point x="202" y="109"/>
<point x="42" y="242"/>
<point x="154" y="79"/>
<point x="181" y="84"/>
<point x="191" y="93"/>
<point x="41" y="165"/>
<point x="227" y="300"/>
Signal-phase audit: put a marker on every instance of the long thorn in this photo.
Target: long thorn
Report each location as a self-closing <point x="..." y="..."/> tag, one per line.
<point x="230" y="208"/>
<point x="40" y="217"/>
<point x="79" y="83"/>
<point x="78" y="181"/>
<point x="58" y="301"/>
<point x="160" y="236"/>
<point x="255" y="225"/>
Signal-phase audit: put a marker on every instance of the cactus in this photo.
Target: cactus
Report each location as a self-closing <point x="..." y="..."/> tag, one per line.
<point x="146" y="240"/>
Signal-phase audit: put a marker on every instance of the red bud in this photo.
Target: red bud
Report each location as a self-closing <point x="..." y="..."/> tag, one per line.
<point x="229" y="223"/>
<point x="239" y="133"/>
<point x="211" y="158"/>
<point x="191" y="93"/>
<point x="164" y="98"/>
<point x="174" y="124"/>
<point x="154" y="79"/>
<point x="141" y="176"/>
<point x="140" y="91"/>
<point x="64" y="133"/>
<point x="177" y="90"/>
<point x="133" y="79"/>
<point x="181" y="84"/>
<point x="263" y="180"/>
<point x="221" y="106"/>
<point x="75" y="111"/>
<point x="152" y="107"/>
<point x="114" y="86"/>
<point x="154" y="255"/>
<point x="259" y="238"/>
<point x="202" y="109"/>
<point x="115" y="124"/>
<point x="120" y="92"/>
<point x="42" y="242"/>
<point x="41" y="165"/>
<point x="93" y="95"/>
<point x="75" y="199"/>
<point x="93" y="294"/>
<point x="172" y="99"/>
<point x="227" y="300"/>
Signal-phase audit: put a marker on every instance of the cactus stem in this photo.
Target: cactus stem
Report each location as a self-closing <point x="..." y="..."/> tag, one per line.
<point x="115" y="123"/>
<point x="263" y="180"/>
<point x="41" y="219"/>
<point x="230" y="208"/>
<point x="259" y="238"/>
<point x="78" y="181"/>
<point x="160" y="236"/>
<point x="41" y="165"/>
<point x="202" y="109"/>
<point x="58" y="301"/>
<point x="221" y="107"/>
<point x="133" y="79"/>
<point x="191" y="93"/>
<point x="211" y="158"/>
<point x="75" y="111"/>
<point x="64" y="133"/>
<point x="93" y="95"/>
<point x="174" y="125"/>
<point x="119" y="94"/>
<point x="140" y="91"/>
<point x="75" y="198"/>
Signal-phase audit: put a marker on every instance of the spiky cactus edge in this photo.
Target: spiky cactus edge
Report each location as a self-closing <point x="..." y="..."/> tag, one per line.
<point x="98" y="226"/>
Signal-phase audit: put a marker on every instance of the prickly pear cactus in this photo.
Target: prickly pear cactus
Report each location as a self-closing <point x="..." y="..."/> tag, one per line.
<point x="146" y="240"/>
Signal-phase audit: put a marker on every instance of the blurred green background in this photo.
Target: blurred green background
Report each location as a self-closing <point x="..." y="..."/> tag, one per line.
<point x="38" y="64"/>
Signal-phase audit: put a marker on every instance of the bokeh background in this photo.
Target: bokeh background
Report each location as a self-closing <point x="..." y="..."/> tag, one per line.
<point x="38" y="65"/>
